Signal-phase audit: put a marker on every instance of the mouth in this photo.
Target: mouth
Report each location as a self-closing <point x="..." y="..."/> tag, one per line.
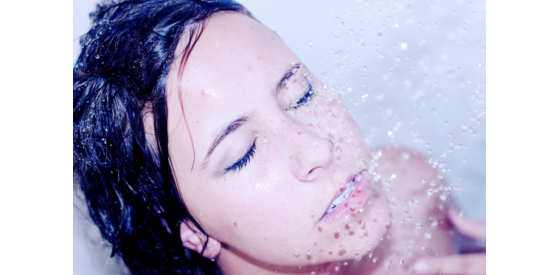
<point x="344" y="196"/>
<point x="356" y="190"/>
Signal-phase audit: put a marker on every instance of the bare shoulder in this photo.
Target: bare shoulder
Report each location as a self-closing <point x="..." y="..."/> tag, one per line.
<point x="411" y="182"/>
<point x="419" y="226"/>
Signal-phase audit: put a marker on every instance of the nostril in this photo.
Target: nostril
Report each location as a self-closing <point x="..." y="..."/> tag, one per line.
<point x="311" y="171"/>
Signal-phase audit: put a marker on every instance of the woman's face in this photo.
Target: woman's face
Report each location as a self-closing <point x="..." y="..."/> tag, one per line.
<point x="261" y="149"/>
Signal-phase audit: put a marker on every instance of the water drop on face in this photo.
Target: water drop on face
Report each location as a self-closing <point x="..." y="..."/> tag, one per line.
<point x="443" y="197"/>
<point x="296" y="253"/>
<point x="337" y="268"/>
<point x="418" y="224"/>
<point x="404" y="46"/>
<point x="405" y="155"/>
<point x="401" y="261"/>
<point x="423" y="180"/>
<point x="374" y="260"/>
<point x="358" y="258"/>
<point x="427" y="235"/>
<point x="96" y="56"/>
<point x="434" y="223"/>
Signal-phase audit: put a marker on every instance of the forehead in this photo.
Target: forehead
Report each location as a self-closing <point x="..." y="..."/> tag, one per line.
<point x="235" y="61"/>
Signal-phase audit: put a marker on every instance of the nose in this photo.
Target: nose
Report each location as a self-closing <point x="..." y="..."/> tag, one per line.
<point x="311" y="156"/>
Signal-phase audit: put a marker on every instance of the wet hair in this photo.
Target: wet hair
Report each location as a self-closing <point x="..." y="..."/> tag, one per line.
<point x="125" y="177"/>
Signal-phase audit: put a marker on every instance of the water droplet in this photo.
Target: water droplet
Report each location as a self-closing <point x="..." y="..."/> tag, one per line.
<point x="401" y="261"/>
<point x="418" y="224"/>
<point x="358" y="258"/>
<point x="434" y="223"/>
<point x="296" y="253"/>
<point x="374" y="260"/>
<point x="430" y="192"/>
<point x="427" y="235"/>
<point x="443" y="197"/>
<point x="423" y="180"/>
<point x="404" y="46"/>
<point x="405" y="155"/>
<point x="337" y="268"/>
<point x="96" y="56"/>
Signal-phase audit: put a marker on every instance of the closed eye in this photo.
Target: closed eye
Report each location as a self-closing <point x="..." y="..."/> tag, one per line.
<point x="304" y="99"/>
<point x="242" y="162"/>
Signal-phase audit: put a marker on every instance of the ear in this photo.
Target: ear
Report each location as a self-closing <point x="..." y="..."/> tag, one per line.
<point x="193" y="239"/>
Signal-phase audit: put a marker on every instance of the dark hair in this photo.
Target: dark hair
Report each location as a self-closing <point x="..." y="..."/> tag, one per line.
<point x="127" y="179"/>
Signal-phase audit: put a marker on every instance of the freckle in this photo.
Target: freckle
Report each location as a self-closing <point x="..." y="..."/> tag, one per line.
<point x="353" y="195"/>
<point x="330" y="252"/>
<point x="234" y="224"/>
<point x="315" y="244"/>
<point x="309" y="257"/>
<point x="320" y="229"/>
<point x="299" y="132"/>
<point x="346" y="204"/>
<point x="374" y="220"/>
<point x="336" y="235"/>
<point x="341" y="252"/>
<point x="321" y="251"/>
<point x="351" y="233"/>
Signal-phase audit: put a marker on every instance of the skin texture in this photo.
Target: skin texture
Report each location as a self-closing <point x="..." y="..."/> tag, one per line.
<point x="269" y="215"/>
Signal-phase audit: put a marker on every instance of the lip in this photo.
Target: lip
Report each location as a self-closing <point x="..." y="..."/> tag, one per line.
<point x="357" y="199"/>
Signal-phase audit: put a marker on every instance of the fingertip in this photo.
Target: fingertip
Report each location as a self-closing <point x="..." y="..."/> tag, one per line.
<point x="421" y="267"/>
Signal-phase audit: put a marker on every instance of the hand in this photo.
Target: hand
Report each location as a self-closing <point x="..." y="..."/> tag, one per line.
<point x="474" y="263"/>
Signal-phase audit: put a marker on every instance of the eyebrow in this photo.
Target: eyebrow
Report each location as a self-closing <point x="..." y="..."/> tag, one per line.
<point x="234" y="125"/>
<point x="282" y="83"/>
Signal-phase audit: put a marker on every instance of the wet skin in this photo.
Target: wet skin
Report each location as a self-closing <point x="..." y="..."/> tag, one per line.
<point x="261" y="148"/>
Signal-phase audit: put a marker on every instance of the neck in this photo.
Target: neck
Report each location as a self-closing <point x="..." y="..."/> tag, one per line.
<point x="233" y="262"/>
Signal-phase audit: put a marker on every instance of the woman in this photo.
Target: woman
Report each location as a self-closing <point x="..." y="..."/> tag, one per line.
<point x="196" y="127"/>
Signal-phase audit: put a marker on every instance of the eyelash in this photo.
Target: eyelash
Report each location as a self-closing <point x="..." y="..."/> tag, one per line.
<point x="303" y="99"/>
<point x="244" y="160"/>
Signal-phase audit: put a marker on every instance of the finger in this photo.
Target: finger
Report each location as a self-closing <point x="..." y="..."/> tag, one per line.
<point x="468" y="227"/>
<point x="456" y="264"/>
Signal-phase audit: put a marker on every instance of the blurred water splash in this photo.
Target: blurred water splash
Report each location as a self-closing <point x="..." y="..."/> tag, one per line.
<point x="413" y="73"/>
